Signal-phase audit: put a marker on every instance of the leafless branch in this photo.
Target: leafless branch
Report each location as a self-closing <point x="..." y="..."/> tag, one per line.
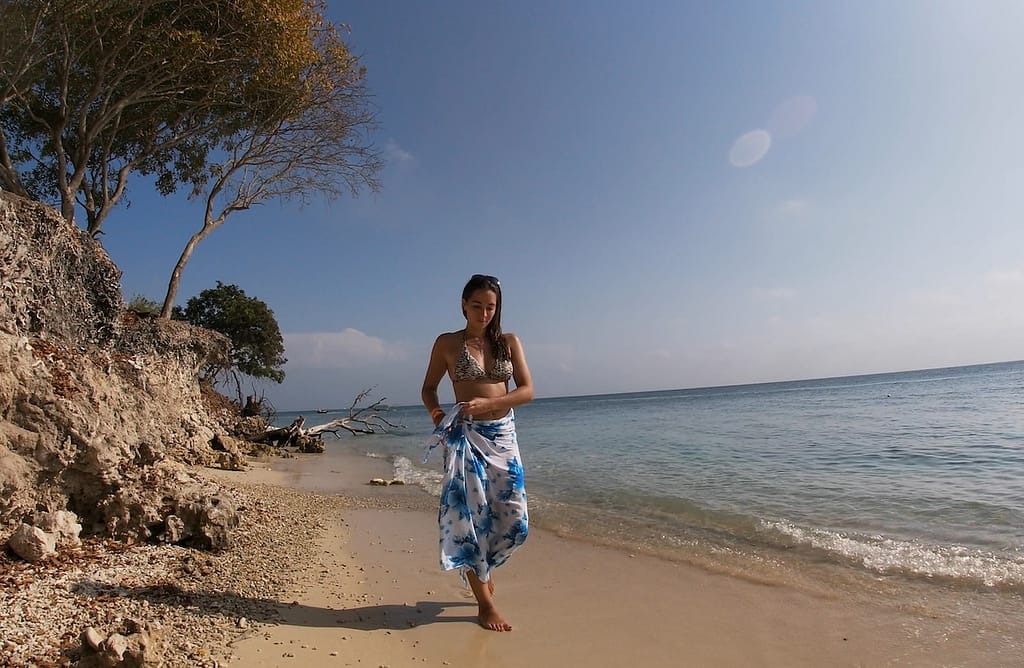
<point x="369" y="419"/>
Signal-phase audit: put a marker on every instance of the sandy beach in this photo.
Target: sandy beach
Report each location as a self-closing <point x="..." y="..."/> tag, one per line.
<point x="352" y="579"/>
<point x="374" y="595"/>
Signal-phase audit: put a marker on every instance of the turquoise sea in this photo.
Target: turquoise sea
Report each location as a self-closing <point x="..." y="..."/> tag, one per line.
<point x="912" y="480"/>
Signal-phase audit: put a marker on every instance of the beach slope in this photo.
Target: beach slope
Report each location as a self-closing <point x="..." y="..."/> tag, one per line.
<point x="375" y="596"/>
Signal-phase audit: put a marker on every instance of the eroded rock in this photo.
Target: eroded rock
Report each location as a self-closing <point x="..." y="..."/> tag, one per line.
<point x="229" y="451"/>
<point x="32" y="543"/>
<point x="134" y="645"/>
<point x="93" y="398"/>
<point x="62" y="524"/>
<point x="169" y="504"/>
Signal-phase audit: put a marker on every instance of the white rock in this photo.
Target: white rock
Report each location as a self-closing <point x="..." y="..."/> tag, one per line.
<point x="32" y="543"/>
<point x="115" y="644"/>
<point x="64" y="524"/>
<point x="92" y="637"/>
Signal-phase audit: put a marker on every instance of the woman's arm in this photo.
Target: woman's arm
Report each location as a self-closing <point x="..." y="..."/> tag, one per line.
<point x="436" y="369"/>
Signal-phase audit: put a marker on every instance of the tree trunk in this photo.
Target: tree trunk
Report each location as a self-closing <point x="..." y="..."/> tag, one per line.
<point x="9" y="179"/>
<point x="253" y="406"/>
<point x="172" y="286"/>
<point x="67" y="206"/>
<point x="283" y="437"/>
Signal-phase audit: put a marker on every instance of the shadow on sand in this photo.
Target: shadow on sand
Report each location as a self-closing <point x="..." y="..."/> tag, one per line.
<point x="205" y="603"/>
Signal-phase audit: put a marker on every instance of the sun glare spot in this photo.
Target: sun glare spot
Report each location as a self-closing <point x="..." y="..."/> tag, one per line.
<point x="750" y="148"/>
<point x="792" y="116"/>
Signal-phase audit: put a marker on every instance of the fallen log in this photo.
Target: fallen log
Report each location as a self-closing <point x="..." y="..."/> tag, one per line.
<point x="368" y="419"/>
<point x="281" y="437"/>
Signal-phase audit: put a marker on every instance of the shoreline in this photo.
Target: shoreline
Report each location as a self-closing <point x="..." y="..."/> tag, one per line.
<point x="352" y="579"/>
<point x="378" y="597"/>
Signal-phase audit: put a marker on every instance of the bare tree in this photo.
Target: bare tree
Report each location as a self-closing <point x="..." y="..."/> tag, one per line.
<point x="21" y="55"/>
<point x="107" y="88"/>
<point x="313" y="143"/>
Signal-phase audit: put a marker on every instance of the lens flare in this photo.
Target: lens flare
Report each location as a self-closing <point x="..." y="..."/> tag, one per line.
<point x="750" y="148"/>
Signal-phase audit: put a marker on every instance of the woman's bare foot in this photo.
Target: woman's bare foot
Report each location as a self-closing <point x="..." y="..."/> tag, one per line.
<point x="488" y="615"/>
<point x="492" y="621"/>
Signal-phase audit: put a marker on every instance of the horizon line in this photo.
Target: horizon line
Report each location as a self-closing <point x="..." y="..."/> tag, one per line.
<point x="725" y="386"/>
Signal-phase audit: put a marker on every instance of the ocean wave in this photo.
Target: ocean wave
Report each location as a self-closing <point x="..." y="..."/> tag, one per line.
<point x="410" y="474"/>
<point x="891" y="556"/>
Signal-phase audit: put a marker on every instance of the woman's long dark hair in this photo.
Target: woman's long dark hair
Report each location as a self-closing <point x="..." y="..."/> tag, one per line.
<point x="493" y="331"/>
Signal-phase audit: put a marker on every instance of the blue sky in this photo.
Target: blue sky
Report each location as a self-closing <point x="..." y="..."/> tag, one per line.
<point x="674" y="194"/>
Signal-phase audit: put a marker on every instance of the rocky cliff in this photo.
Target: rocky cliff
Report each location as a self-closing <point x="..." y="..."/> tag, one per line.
<point x="100" y="410"/>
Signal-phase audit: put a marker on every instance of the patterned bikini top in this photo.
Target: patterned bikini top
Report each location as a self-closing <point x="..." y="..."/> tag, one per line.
<point x="467" y="368"/>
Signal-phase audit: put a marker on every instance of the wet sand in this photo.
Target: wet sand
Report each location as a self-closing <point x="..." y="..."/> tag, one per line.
<point x="375" y="596"/>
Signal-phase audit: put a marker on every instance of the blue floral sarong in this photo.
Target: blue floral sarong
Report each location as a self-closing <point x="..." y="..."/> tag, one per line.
<point x="482" y="514"/>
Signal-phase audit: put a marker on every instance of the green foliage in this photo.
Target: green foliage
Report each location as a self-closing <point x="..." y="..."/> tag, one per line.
<point x="257" y="347"/>
<point x="141" y="304"/>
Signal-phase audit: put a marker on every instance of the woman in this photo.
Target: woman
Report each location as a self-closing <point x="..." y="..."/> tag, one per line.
<point x="482" y="514"/>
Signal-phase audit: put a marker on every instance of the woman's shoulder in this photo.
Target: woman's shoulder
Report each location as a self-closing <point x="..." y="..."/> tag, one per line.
<point x="450" y="338"/>
<point x="510" y="339"/>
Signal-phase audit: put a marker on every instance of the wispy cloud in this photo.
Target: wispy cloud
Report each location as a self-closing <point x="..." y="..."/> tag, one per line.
<point x="792" y="115"/>
<point x="773" y="294"/>
<point x="792" y="208"/>
<point x="935" y="298"/>
<point x="396" y="154"/>
<point x="1005" y="277"/>
<point x="347" y="349"/>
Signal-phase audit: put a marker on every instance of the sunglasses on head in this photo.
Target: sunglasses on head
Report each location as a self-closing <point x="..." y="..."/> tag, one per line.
<point x="485" y="277"/>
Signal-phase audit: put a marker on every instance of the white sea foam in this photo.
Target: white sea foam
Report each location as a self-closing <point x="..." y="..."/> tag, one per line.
<point x="407" y="472"/>
<point x="888" y="555"/>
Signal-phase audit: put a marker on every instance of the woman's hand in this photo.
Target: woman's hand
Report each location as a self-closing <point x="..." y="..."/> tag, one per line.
<point x="478" y="406"/>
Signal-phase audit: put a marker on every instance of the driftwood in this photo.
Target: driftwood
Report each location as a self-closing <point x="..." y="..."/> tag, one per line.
<point x="253" y="406"/>
<point x="360" y="420"/>
<point x="281" y="436"/>
<point x="369" y="419"/>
